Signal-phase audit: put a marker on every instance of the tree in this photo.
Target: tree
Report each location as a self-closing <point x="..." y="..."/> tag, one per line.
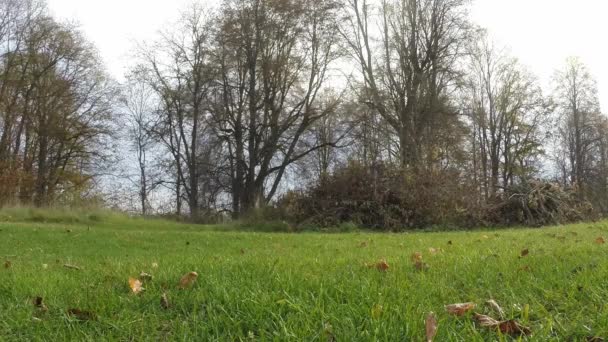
<point x="55" y="108"/>
<point x="408" y="75"/>
<point x="273" y="58"/>
<point x="506" y="111"/>
<point x="177" y="68"/>
<point x="579" y="119"/>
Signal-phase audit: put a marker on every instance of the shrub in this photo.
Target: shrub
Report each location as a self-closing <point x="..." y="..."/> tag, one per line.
<point x="382" y="197"/>
<point x="536" y="203"/>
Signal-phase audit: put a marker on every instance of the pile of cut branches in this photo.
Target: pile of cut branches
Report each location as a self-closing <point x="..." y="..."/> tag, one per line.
<point x="537" y="203"/>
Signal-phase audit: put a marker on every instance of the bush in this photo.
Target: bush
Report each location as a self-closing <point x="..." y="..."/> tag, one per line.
<point x="382" y="197"/>
<point x="536" y="203"/>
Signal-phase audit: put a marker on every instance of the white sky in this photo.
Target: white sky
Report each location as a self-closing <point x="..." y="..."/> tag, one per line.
<point x="541" y="33"/>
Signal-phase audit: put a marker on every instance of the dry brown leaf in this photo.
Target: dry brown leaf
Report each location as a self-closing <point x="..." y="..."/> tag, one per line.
<point x="363" y="244"/>
<point x="416" y="256"/>
<point x="525" y="252"/>
<point x="492" y="304"/>
<point x="513" y="328"/>
<point x="460" y="309"/>
<point x="431" y="327"/>
<point x="135" y="285"/>
<point x="82" y="315"/>
<point x="600" y="240"/>
<point x="509" y="327"/>
<point x="525" y="268"/>
<point x="486" y="321"/>
<point x="188" y="280"/>
<point x="382" y="265"/>
<point x="164" y="301"/>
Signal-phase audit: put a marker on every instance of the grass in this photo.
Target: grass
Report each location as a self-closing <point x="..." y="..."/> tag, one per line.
<point x="293" y="287"/>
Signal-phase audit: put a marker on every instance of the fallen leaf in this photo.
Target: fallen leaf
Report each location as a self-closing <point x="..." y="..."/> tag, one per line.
<point x="376" y="311"/>
<point x="145" y="276"/>
<point x="510" y="327"/>
<point x="525" y="252"/>
<point x="188" y="280"/>
<point x="525" y="268"/>
<point x="513" y="328"/>
<point x="431" y="327"/>
<point x="486" y="321"/>
<point x="460" y="309"/>
<point x="363" y="244"/>
<point x="416" y="256"/>
<point x="492" y="304"/>
<point x="82" y="315"/>
<point x="328" y="331"/>
<point x="600" y="240"/>
<point x="72" y="267"/>
<point x="421" y="266"/>
<point x="8" y="264"/>
<point x="382" y="265"/>
<point x="39" y="304"/>
<point x="135" y="285"/>
<point x="164" y="301"/>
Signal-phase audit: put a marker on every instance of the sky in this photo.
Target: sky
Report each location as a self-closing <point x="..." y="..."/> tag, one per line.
<point x="541" y="33"/>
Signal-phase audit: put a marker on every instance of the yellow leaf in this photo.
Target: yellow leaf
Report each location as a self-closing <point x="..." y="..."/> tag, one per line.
<point x="600" y="240"/>
<point x="376" y="311"/>
<point x="416" y="256"/>
<point x="188" y="280"/>
<point x="135" y="285"/>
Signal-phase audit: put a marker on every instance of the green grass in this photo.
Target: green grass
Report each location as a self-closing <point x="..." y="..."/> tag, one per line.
<point x="294" y="287"/>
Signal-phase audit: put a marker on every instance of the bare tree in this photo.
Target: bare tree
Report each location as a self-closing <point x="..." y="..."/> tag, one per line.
<point x="578" y="106"/>
<point x="178" y="70"/>
<point x="407" y="75"/>
<point x="507" y="109"/>
<point x="274" y="58"/>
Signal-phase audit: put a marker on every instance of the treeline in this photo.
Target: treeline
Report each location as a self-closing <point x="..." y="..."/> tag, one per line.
<point x="55" y="106"/>
<point x="386" y="114"/>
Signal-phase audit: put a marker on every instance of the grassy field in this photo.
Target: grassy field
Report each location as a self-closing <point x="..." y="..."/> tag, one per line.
<point x="292" y="287"/>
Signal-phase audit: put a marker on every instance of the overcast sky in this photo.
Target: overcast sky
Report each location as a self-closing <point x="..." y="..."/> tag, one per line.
<point x="541" y="33"/>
